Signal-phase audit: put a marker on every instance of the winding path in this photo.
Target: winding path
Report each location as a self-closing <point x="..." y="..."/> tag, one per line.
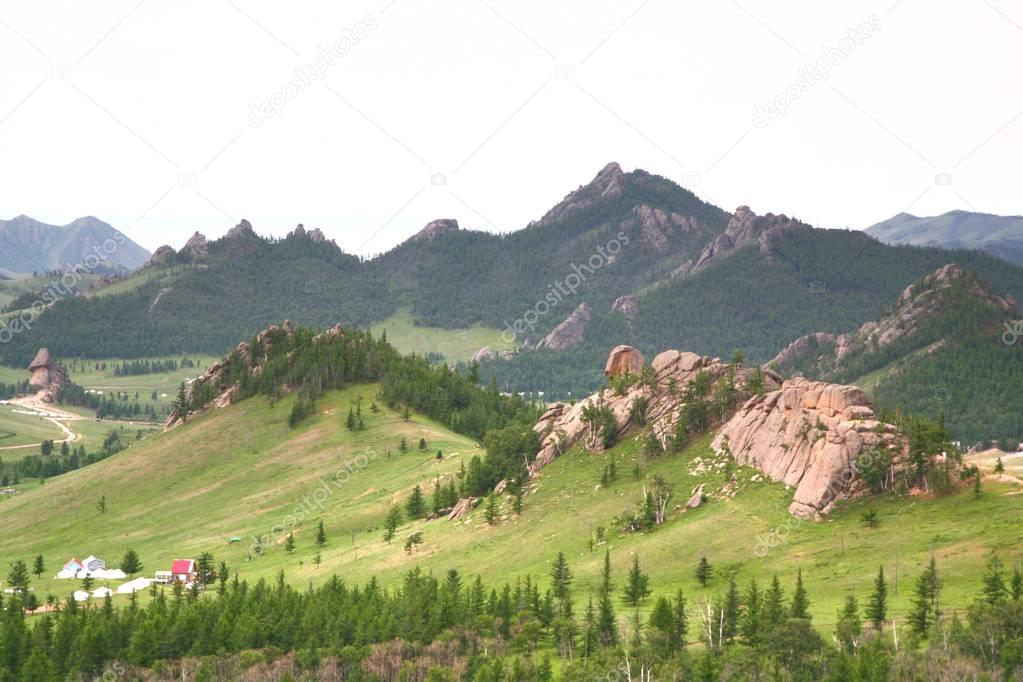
<point x="55" y="415"/>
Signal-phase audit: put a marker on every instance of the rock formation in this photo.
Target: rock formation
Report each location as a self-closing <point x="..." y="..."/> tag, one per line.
<point x="561" y="427"/>
<point x="435" y="229"/>
<point x="47" y="374"/>
<point x="162" y="256"/>
<point x="242" y="230"/>
<point x="622" y="360"/>
<point x="216" y="376"/>
<point x="627" y="306"/>
<point x="196" y="247"/>
<point x="569" y="333"/>
<point x="654" y="225"/>
<point x="743" y="228"/>
<point x="608" y="184"/>
<point x="483" y="354"/>
<point x="812" y="436"/>
<point x="824" y="354"/>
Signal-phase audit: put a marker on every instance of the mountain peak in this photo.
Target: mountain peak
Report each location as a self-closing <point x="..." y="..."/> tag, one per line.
<point x="607" y="184"/>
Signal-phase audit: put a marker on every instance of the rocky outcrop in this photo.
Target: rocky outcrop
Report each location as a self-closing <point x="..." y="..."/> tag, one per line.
<point x="164" y="255"/>
<point x="196" y="247"/>
<point x="569" y="333"/>
<point x="316" y="235"/>
<point x="623" y="360"/>
<point x="562" y="427"/>
<point x="608" y="184"/>
<point x="47" y="374"/>
<point x="313" y="235"/>
<point x="743" y="228"/>
<point x="483" y="354"/>
<point x="216" y="375"/>
<point x="824" y="355"/>
<point x="627" y="306"/>
<point x="655" y="225"/>
<point x="435" y="228"/>
<point x="242" y="230"/>
<point x="812" y="436"/>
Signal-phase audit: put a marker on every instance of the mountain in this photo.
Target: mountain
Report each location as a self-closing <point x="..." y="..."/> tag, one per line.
<point x="27" y="245"/>
<point x="629" y="257"/>
<point x="1000" y="236"/>
<point x="938" y="351"/>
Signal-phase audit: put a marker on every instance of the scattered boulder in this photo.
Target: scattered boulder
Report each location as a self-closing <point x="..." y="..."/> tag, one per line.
<point x="569" y="333"/>
<point x="812" y="436"/>
<point x="624" y="359"/>
<point x="464" y="506"/>
<point x="697" y="498"/>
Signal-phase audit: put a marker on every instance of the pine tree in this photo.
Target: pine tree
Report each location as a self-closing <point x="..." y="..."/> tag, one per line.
<point x="289" y="543"/>
<point x="403" y="446"/>
<point x="414" y="506"/>
<point x="732" y="610"/>
<point x="999" y="467"/>
<point x="681" y="620"/>
<point x="39" y="566"/>
<point x="130" y="563"/>
<point x="848" y="627"/>
<point x="561" y="583"/>
<point x="800" y="607"/>
<point x="924" y="609"/>
<point x="422" y="444"/>
<point x="392" y="522"/>
<point x="490" y="511"/>
<point x="637" y="585"/>
<point x="751" y="623"/>
<point x="437" y="499"/>
<point x="877" y="605"/>
<point x="1016" y="584"/>
<point x="607" y="624"/>
<point x="774" y="603"/>
<point x="350" y="419"/>
<point x="704" y="571"/>
<point x="321" y="535"/>
<point x="18" y="579"/>
<point x="994" y="583"/>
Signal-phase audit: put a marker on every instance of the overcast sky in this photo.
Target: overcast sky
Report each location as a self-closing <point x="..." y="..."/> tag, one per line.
<point x="368" y="119"/>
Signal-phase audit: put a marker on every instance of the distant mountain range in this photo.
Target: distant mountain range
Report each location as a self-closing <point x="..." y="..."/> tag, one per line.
<point x="629" y="257"/>
<point x="1000" y="236"/>
<point x="27" y="246"/>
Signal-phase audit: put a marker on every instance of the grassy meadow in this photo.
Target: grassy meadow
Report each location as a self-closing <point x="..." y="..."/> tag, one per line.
<point x="241" y="471"/>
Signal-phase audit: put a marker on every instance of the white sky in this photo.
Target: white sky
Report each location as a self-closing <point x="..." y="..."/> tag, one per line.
<point x="138" y="112"/>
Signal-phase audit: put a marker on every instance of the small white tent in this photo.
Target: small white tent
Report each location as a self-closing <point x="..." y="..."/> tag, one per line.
<point x="101" y="592"/>
<point x="81" y="595"/>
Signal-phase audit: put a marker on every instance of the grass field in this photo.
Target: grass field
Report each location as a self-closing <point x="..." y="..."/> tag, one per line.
<point x="21" y="429"/>
<point x="454" y="344"/>
<point x="241" y="472"/>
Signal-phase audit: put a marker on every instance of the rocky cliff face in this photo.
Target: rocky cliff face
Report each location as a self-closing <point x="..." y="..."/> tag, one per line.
<point x="569" y="333"/>
<point x="196" y="247"/>
<point x="561" y="427"/>
<point x="215" y="378"/>
<point x="47" y="374"/>
<point x="823" y="355"/>
<point x="608" y="184"/>
<point x="745" y="227"/>
<point x="813" y="436"/>
<point x="435" y="228"/>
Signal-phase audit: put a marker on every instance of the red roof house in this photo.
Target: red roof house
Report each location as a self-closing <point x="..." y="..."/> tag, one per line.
<point x="183" y="569"/>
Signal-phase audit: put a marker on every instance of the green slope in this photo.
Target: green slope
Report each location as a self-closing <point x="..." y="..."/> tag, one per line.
<point x="240" y="471"/>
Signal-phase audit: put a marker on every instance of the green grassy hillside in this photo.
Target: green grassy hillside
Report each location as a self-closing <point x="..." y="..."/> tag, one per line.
<point x="241" y="471"/>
